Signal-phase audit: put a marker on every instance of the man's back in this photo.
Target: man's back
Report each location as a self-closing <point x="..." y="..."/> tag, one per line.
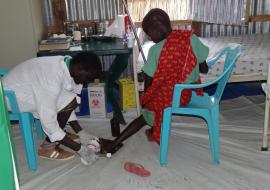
<point x="41" y="70"/>
<point x="37" y="78"/>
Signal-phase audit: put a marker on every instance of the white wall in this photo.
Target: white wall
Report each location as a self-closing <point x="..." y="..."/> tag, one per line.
<point x="21" y="26"/>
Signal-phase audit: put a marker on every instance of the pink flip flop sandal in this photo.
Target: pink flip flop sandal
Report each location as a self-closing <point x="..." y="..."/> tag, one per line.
<point x="136" y="169"/>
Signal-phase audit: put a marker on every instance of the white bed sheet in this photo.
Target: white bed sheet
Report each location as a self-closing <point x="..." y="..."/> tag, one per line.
<point x="254" y="59"/>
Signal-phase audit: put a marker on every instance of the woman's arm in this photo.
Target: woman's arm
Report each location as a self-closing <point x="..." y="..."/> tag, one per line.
<point x="203" y="67"/>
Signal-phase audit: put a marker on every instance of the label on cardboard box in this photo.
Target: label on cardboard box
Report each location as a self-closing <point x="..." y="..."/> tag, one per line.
<point x="97" y="100"/>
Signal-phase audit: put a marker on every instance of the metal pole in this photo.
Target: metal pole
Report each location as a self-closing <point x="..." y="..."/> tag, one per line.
<point x="134" y="31"/>
<point x="266" y="115"/>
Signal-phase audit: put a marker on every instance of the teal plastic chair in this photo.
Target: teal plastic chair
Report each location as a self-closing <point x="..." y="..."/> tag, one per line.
<point x="26" y="121"/>
<point x="206" y="107"/>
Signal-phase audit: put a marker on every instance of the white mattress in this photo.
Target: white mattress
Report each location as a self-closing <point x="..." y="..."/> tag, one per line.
<point x="254" y="59"/>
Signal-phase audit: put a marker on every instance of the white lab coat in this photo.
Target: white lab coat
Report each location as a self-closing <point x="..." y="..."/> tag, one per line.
<point x="43" y="86"/>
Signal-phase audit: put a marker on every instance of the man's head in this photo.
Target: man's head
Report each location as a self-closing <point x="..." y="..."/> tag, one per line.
<point x="156" y="24"/>
<point x="85" y="67"/>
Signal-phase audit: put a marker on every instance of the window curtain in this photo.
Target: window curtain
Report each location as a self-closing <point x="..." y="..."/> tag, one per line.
<point x="225" y="15"/>
<point x="218" y="11"/>
<point x="176" y="9"/>
<point x="48" y="12"/>
<point x="91" y="9"/>
<point x="80" y="10"/>
<point x="258" y="7"/>
<point x="213" y="11"/>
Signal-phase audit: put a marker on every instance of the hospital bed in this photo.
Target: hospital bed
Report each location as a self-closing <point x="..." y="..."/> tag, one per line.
<point x="251" y="66"/>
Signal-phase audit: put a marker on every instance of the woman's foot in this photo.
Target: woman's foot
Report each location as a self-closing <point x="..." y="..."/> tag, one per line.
<point x="150" y="137"/>
<point x="148" y="133"/>
<point x="108" y="146"/>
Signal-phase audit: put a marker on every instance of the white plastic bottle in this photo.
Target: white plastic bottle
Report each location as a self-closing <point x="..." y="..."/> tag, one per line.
<point x="130" y="40"/>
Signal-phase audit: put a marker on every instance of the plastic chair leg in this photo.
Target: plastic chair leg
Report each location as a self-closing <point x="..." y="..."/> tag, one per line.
<point x="213" y="129"/>
<point x="165" y="133"/>
<point x="26" y="123"/>
<point x="39" y="129"/>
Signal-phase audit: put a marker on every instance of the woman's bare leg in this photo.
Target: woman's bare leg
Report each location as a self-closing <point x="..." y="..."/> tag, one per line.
<point x="130" y="130"/>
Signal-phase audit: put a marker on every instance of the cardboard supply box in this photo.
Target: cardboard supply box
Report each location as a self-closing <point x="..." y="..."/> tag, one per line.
<point x="97" y="100"/>
<point x="127" y="93"/>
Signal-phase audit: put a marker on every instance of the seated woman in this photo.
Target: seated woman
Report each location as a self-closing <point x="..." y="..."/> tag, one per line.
<point x="175" y="58"/>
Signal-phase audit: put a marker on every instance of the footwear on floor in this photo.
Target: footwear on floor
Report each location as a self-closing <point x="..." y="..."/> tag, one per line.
<point x="137" y="169"/>
<point x="55" y="154"/>
<point x="47" y="145"/>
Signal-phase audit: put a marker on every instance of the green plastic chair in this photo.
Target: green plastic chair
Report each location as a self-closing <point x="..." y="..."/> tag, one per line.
<point x="206" y="107"/>
<point x="8" y="168"/>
